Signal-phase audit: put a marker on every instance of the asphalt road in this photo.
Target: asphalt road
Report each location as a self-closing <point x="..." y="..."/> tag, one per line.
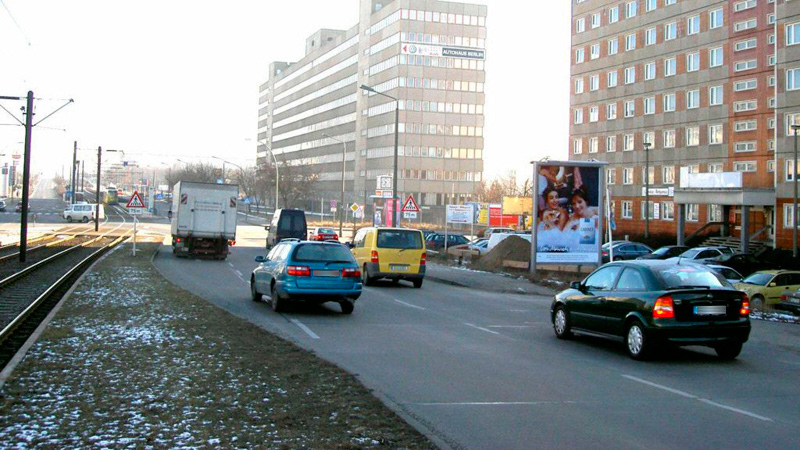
<point x="484" y="371"/>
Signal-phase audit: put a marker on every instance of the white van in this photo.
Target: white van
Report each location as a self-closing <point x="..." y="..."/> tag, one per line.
<point x="83" y="212"/>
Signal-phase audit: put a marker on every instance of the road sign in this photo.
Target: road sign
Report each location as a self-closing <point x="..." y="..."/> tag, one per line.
<point x="410" y="205"/>
<point x="384" y="182"/>
<point x="409" y="215"/>
<point x="354" y="207"/>
<point x="135" y="204"/>
<point x="383" y="194"/>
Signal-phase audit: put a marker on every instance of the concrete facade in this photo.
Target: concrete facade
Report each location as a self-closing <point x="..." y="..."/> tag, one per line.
<point x="430" y="56"/>
<point x="699" y="81"/>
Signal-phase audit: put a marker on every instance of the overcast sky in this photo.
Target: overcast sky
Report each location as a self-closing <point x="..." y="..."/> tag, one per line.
<point x="178" y="79"/>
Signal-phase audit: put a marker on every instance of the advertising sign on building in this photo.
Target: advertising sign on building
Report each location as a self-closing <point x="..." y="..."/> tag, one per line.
<point x="569" y="213"/>
<point x="438" y="51"/>
<point x="459" y="214"/>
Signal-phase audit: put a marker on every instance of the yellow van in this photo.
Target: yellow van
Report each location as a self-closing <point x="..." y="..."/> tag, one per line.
<point x="393" y="253"/>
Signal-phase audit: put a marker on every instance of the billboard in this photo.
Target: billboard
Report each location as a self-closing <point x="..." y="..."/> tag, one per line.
<point x="568" y="219"/>
<point x="460" y="214"/>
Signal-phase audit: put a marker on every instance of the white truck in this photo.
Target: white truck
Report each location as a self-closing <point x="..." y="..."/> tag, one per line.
<point x="203" y="218"/>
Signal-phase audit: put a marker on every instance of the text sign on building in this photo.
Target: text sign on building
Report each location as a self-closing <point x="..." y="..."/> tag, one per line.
<point x="459" y="214"/>
<point x="384" y="182"/>
<point x="436" y="51"/>
<point x="660" y="192"/>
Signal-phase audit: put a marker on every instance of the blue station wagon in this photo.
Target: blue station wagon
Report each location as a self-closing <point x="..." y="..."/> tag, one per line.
<point x="316" y="272"/>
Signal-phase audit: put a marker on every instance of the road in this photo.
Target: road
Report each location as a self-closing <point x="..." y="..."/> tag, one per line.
<point x="479" y="370"/>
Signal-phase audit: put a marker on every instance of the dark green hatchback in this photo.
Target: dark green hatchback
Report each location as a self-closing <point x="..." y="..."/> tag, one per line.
<point x="650" y="303"/>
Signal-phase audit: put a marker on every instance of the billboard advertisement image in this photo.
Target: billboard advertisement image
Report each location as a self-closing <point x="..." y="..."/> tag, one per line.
<point x="568" y="215"/>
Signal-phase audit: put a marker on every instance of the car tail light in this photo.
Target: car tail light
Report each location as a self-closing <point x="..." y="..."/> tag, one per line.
<point x="298" y="271"/>
<point x="350" y="272"/>
<point x="605" y="253"/>
<point x="422" y="259"/>
<point x="179" y="240"/>
<point x="373" y="257"/>
<point x="745" y="311"/>
<point x="784" y="297"/>
<point x="232" y="242"/>
<point x="663" y="308"/>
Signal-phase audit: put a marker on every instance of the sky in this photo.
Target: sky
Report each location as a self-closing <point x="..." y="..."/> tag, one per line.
<point x="178" y="79"/>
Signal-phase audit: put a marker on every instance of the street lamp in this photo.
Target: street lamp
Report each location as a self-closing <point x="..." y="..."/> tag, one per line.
<point x="277" y="178"/>
<point x="341" y="201"/>
<point x="647" y="190"/>
<point x="396" y="131"/>
<point x="794" y="182"/>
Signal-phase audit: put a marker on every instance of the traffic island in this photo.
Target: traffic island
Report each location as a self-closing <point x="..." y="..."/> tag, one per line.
<point x="132" y="361"/>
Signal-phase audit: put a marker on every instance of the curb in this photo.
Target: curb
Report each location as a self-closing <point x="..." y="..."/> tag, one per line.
<point x="436" y="279"/>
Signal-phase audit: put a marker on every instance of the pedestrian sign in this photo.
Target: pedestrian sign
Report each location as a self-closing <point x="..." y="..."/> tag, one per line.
<point x="135" y="202"/>
<point x="410" y="205"/>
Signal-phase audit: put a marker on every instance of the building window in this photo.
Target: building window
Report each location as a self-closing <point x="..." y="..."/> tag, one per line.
<point x="579" y="86"/>
<point x="613" y="46"/>
<point x="693" y="62"/>
<point x="715" y="58"/>
<point x="745" y="65"/>
<point x="670" y="31"/>
<point x="594" y="82"/>
<point x="745" y="125"/>
<point x="692" y="136"/>
<point x="595" y="20"/>
<point x="611" y="144"/>
<point x="631" y="9"/>
<point x="668" y="211"/>
<point x="669" y="102"/>
<point x="577" y="146"/>
<point x="630" y="75"/>
<point x="611" y="176"/>
<point x="650" y="210"/>
<point x="744" y="166"/>
<point x="611" y="79"/>
<point x="594" y="51"/>
<point x="630" y="108"/>
<point x="669" y="67"/>
<point x="611" y="111"/>
<point x="669" y="138"/>
<point x="630" y="42"/>
<point x="793" y="33"/>
<point x="789" y="172"/>
<point x="613" y="14"/>
<point x="650" y="36"/>
<point x="741" y="6"/>
<point x="627" y="209"/>
<point x="745" y="45"/>
<point x="628" y="143"/>
<point x="649" y="136"/>
<point x="649" y="5"/>
<point x="578" y="116"/>
<point x="593" y="145"/>
<point x="715" y="168"/>
<point x="692" y="212"/>
<point x="693" y="99"/>
<point x="693" y="25"/>
<point x="668" y="174"/>
<point x="593" y="114"/>
<point x="792" y="119"/>
<point x="787" y="215"/>
<point x="793" y="79"/>
<point x="579" y="56"/>
<point x="715" y="19"/>
<point x="745" y="25"/>
<point x="715" y="134"/>
<point x="715" y="95"/>
<point x="650" y="105"/>
<point x="747" y="105"/>
<point x="650" y="71"/>
<point x="749" y="146"/>
<point x="714" y="213"/>
<point x="745" y="85"/>
<point x="627" y="175"/>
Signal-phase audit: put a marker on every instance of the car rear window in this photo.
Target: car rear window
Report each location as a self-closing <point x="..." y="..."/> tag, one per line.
<point x="291" y="223"/>
<point x="689" y="276"/>
<point x="325" y="230"/>
<point x="322" y="253"/>
<point x="402" y="239"/>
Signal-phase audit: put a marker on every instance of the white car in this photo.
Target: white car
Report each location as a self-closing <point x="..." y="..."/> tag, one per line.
<point x="82" y="212"/>
<point x="700" y="254"/>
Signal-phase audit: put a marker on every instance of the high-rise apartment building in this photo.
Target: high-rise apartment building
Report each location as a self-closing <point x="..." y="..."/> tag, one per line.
<point x="695" y="98"/>
<point x="429" y="55"/>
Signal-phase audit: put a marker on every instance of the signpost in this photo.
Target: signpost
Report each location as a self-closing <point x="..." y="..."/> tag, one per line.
<point x="135" y="207"/>
<point x="410" y="208"/>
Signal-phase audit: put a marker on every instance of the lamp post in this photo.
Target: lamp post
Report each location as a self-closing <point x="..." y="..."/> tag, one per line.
<point x="395" y="202"/>
<point x="97" y="188"/>
<point x="341" y="201"/>
<point x="647" y="190"/>
<point x="277" y="178"/>
<point x="794" y="182"/>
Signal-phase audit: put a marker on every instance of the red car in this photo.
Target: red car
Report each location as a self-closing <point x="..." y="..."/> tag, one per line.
<point x="323" y="234"/>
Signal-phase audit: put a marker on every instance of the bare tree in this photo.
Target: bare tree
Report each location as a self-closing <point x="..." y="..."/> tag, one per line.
<point x="199" y="172"/>
<point x="297" y="183"/>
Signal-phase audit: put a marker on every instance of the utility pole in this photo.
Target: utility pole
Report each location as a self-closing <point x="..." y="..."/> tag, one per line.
<point x="97" y="191"/>
<point x="647" y="190"/>
<point x="74" y="173"/>
<point x="26" y="176"/>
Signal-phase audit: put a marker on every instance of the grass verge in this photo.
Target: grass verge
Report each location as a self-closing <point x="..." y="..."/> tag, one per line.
<point x="131" y="361"/>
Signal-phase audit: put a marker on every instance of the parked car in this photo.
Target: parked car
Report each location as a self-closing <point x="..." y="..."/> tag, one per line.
<point x="652" y="303"/>
<point x="82" y="212"/>
<point x="286" y="223"/>
<point x="667" y="251"/>
<point x="480" y="245"/>
<point x="745" y="263"/>
<point x="318" y="272"/>
<point x="323" y="234"/>
<point x="436" y="241"/>
<point x="490" y="231"/>
<point x="728" y="273"/>
<point x="2" y="206"/>
<point x="765" y="287"/>
<point x="624" y="250"/>
<point x="790" y="302"/>
<point x="393" y="253"/>
<point x="700" y="254"/>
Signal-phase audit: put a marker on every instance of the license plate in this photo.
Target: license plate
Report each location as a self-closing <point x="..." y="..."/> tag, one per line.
<point x="326" y="273"/>
<point x="794" y="300"/>
<point x="720" y="310"/>
<point x="398" y="267"/>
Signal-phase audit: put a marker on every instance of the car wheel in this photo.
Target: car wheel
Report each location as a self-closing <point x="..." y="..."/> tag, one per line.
<point x="417" y="283"/>
<point x="636" y="341"/>
<point x="69" y="219"/>
<point x="561" y="325"/>
<point x="757" y="303"/>
<point x="276" y="300"/>
<point x="347" y="306"/>
<point x="365" y="278"/>
<point x="85" y="219"/>
<point x="254" y="295"/>
<point x="728" y="350"/>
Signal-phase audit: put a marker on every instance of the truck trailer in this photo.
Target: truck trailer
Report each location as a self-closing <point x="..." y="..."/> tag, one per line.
<point x="203" y="219"/>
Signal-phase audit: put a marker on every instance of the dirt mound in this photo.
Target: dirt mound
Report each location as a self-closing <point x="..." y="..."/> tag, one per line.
<point x="512" y="248"/>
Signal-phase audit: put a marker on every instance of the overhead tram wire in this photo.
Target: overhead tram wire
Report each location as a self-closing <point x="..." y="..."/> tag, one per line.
<point x="28" y="41"/>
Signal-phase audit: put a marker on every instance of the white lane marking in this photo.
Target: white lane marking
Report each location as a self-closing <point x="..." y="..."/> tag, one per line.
<point x="480" y="328"/>
<point x="793" y="363"/>
<point x="509" y="326"/>
<point x="565" y="402"/>
<point x="238" y="273"/>
<point x="736" y="410"/>
<point x="408" y="304"/>
<point x="305" y="328"/>
<point x="694" y="397"/>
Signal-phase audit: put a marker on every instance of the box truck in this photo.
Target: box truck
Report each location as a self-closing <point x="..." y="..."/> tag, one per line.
<point x="203" y="218"/>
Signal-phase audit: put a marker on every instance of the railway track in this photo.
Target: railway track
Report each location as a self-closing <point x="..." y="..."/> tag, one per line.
<point x="29" y="291"/>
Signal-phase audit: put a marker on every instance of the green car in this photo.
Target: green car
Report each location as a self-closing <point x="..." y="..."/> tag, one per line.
<point x="765" y="287"/>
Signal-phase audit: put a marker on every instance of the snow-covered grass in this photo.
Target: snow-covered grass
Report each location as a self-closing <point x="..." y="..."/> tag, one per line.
<point x="131" y="361"/>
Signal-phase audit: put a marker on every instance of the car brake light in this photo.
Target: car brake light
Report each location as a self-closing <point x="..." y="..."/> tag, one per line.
<point x="298" y="271"/>
<point x="350" y="272"/>
<point x="179" y="240"/>
<point x="745" y="311"/>
<point x="422" y="259"/>
<point x="373" y="257"/>
<point x="231" y="242"/>
<point x="663" y="308"/>
<point x="784" y="297"/>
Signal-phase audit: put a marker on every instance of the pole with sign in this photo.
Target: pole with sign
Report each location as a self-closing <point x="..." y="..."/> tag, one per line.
<point x="135" y="208"/>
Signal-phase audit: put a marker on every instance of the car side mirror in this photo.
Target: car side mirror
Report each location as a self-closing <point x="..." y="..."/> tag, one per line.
<point x="575" y="285"/>
<point x="266" y="227"/>
<point x="260" y="259"/>
<point x="773" y="284"/>
<point x="351" y="245"/>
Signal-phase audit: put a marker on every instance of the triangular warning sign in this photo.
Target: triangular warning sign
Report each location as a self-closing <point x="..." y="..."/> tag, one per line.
<point x="135" y="201"/>
<point x="410" y="205"/>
